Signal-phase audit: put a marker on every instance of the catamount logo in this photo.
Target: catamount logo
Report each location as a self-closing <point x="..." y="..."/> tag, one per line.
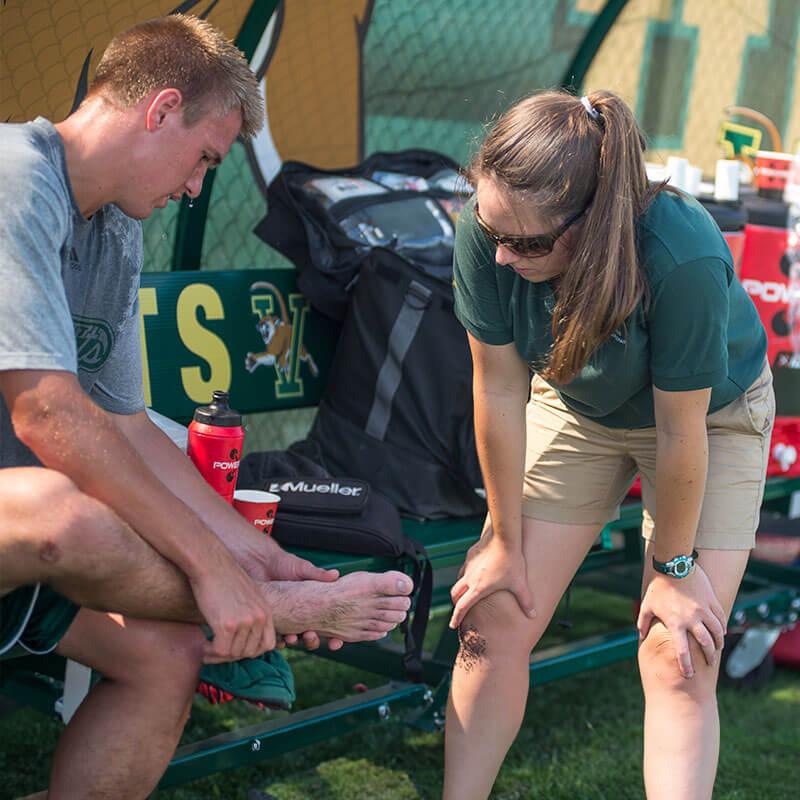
<point x="282" y="337"/>
<point x="316" y="487"/>
<point x="94" y="339"/>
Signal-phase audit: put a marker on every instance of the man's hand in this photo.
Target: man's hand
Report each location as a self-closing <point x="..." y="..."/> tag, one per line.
<point x="685" y="606"/>
<point x="235" y="610"/>
<point x="265" y="560"/>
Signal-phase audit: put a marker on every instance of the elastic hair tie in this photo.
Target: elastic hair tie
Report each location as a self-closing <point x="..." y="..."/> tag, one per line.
<point x="590" y="109"/>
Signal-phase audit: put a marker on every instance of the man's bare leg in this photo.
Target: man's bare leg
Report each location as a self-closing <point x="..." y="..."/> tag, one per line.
<point x="85" y="552"/>
<point x="52" y="533"/>
<point x="121" y="738"/>
<point x="124" y="733"/>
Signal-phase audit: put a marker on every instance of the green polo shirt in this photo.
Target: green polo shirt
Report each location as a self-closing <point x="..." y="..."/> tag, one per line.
<point x="700" y="330"/>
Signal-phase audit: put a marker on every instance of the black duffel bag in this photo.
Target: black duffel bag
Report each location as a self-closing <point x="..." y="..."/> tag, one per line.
<point x="326" y="221"/>
<point x="373" y="245"/>
<point x="343" y="515"/>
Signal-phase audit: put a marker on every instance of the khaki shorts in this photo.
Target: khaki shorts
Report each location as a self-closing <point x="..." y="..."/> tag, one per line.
<point x="578" y="472"/>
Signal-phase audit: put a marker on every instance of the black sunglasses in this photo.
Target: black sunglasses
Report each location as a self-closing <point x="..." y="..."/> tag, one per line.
<point x="527" y="246"/>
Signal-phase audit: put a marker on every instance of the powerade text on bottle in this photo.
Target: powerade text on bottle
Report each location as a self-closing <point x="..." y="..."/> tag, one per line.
<point x="215" y="444"/>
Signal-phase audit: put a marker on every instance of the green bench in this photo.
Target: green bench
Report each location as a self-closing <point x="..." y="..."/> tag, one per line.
<point x="199" y="333"/>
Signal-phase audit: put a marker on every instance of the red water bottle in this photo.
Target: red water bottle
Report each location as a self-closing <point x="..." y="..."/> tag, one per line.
<point x="215" y="444"/>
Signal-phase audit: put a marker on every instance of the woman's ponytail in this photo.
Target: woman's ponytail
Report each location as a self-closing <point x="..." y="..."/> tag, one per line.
<point x="604" y="281"/>
<point x="568" y="154"/>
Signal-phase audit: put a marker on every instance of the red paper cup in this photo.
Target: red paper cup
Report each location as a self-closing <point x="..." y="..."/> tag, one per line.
<point x="257" y="506"/>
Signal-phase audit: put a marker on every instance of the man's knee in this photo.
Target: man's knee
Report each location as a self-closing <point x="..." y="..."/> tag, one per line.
<point x="660" y="671"/>
<point x="27" y="494"/>
<point x="51" y="527"/>
<point x="163" y="657"/>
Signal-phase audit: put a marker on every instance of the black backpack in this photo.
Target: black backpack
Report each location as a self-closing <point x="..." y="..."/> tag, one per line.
<point x="397" y="408"/>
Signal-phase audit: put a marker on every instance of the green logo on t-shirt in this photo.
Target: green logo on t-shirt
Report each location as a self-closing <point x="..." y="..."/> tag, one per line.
<point x="94" y="339"/>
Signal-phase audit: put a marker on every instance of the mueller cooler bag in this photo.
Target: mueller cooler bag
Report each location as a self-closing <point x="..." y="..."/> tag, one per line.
<point x="320" y="512"/>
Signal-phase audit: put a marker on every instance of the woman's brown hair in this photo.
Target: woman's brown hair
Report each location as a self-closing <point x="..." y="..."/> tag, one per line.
<point x="554" y="152"/>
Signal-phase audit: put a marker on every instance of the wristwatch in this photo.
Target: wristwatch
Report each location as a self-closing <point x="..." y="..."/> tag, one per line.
<point x="678" y="567"/>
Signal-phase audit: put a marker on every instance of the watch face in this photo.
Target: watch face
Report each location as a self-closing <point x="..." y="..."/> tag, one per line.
<point x="681" y="567"/>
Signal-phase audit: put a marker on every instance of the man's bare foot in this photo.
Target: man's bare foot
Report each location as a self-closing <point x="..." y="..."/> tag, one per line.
<point x="360" y="607"/>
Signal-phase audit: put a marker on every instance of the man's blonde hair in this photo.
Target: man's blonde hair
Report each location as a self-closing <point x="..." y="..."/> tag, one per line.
<point x="185" y="53"/>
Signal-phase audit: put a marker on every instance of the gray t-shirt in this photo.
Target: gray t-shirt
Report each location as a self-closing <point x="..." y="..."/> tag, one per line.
<point x="68" y="285"/>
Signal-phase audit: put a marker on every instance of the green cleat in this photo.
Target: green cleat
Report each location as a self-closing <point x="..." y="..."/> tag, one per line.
<point x="266" y="682"/>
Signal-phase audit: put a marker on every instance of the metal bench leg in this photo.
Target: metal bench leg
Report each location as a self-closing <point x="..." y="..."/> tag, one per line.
<point x="77" y="682"/>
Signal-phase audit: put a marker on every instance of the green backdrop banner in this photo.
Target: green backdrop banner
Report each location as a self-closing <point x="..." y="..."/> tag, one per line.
<point x="249" y="332"/>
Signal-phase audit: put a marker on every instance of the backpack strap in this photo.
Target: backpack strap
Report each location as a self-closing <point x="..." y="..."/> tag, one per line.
<point x="414" y="629"/>
<point x="403" y="331"/>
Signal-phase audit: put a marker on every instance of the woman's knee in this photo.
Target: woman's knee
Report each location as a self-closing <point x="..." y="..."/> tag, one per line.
<point x="660" y="671"/>
<point x="499" y="618"/>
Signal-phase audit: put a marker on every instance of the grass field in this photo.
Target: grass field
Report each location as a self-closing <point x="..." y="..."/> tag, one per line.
<point x="581" y="739"/>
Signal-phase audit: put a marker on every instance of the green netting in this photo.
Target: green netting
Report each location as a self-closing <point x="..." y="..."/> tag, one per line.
<point x="159" y="238"/>
<point x="237" y="205"/>
<point x="771" y="66"/>
<point x="435" y="72"/>
<point x="276" y="430"/>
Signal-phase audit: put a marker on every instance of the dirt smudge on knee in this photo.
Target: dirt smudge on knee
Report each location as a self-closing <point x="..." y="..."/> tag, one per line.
<point x="472" y="647"/>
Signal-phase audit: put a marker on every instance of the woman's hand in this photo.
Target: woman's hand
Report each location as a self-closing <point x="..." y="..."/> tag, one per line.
<point x="685" y="606"/>
<point x="490" y="566"/>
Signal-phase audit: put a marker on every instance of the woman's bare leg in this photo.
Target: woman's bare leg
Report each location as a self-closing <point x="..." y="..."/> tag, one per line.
<point x="490" y="678"/>
<point x="681" y="723"/>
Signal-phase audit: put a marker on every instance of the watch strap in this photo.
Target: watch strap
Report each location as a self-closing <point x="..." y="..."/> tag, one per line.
<point x="670" y="567"/>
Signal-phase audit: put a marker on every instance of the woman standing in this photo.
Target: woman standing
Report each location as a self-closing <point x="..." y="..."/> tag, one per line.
<point x="647" y="356"/>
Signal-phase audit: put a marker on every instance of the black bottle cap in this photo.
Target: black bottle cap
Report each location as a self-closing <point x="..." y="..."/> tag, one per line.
<point x="218" y="412"/>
